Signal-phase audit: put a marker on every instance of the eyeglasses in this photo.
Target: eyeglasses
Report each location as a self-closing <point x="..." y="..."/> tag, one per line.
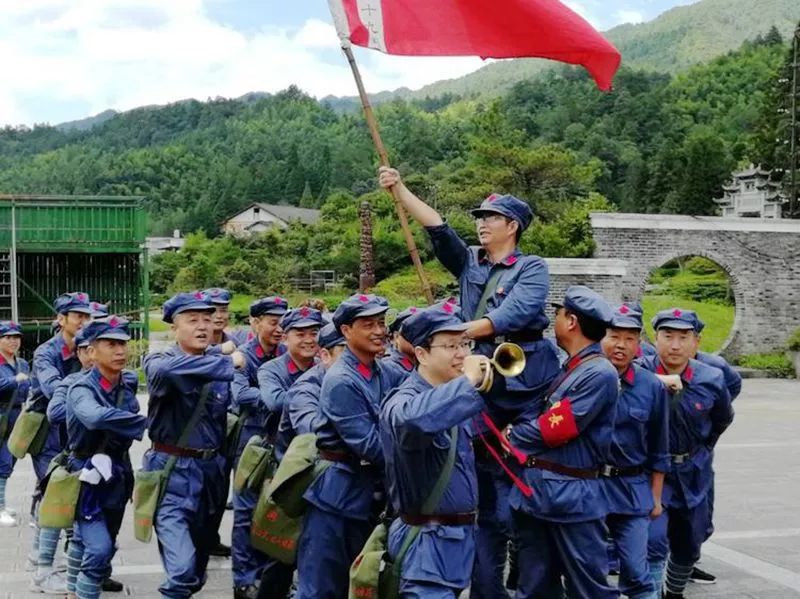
<point x="465" y="346"/>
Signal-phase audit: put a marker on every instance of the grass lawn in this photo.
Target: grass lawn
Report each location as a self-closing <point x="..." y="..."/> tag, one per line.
<point x="718" y="317"/>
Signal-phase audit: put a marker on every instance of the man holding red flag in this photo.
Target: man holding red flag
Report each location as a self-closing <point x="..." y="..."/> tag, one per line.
<point x="502" y="294"/>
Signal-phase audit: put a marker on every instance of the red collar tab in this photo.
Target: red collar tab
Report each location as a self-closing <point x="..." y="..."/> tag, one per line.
<point x="66" y="354"/>
<point x="628" y="375"/>
<point x="574" y="361"/>
<point x="364" y="371"/>
<point x="292" y="367"/>
<point x="406" y="363"/>
<point x="688" y="373"/>
<point x="2" y="360"/>
<point x="660" y="369"/>
<point x="259" y="351"/>
<point x="105" y="384"/>
<point x="510" y="260"/>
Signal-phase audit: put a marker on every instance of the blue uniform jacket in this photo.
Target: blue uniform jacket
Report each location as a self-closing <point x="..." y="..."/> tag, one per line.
<point x="274" y="380"/>
<point x="52" y="361"/>
<point x="57" y="406"/>
<point x="9" y="385"/>
<point x="245" y="394"/>
<point x="300" y="408"/>
<point x="349" y="405"/>
<point x="304" y="396"/>
<point x="518" y="303"/>
<point x="415" y="432"/>
<point x="592" y="392"/>
<point x="641" y="438"/>
<point x="174" y="381"/>
<point x="10" y="388"/>
<point x="698" y="416"/>
<point x="95" y="424"/>
<point x="94" y="420"/>
<point x="733" y="380"/>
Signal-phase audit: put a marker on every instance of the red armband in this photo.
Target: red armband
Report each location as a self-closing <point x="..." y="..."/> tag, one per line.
<point x="557" y="424"/>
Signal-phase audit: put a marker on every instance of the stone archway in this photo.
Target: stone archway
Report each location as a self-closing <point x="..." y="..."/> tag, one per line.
<point x="736" y="287"/>
<point x="762" y="259"/>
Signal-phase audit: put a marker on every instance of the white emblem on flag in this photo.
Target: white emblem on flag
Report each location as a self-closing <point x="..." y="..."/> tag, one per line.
<point x="371" y="14"/>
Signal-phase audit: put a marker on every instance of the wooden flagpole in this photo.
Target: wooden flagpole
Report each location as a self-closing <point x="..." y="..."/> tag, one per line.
<point x="384" y="158"/>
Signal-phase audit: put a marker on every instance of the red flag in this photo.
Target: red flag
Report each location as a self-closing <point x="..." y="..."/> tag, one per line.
<point x="499" y="29"/>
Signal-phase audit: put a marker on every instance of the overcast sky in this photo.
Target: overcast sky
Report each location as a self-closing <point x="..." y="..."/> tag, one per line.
<point x="67" y="59"/>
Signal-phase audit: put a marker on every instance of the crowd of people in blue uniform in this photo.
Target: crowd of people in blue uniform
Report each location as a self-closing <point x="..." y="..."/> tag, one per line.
<point x="597" y="458"/>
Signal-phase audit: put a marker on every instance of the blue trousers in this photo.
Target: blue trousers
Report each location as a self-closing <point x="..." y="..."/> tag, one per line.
<point x="422" y="590"/>
<point x="247" y="562"/>
<point x="494" y="533"/>
<point x="327" y="547"/>
<point x="184" y="520"/>
<point x="549" y="550"/>
<point x="678" y="533"/>
<point x="629" y="535"/>
<point x="95" y="540"/>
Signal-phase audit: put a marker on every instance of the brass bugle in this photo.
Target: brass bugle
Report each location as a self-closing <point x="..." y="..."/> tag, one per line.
<point x="508" y="360"/>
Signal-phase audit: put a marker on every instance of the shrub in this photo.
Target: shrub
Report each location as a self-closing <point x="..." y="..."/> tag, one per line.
<point x="778" y="364"/>
<point x="794" y="341"/>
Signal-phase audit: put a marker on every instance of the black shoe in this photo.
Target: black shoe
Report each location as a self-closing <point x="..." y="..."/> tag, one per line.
<point x="668" y="595"/>
<point x="701" y="577"/>
<point x="247" y="592"/>
<point x="220" y="550"/>
<point x="112" y="586"/>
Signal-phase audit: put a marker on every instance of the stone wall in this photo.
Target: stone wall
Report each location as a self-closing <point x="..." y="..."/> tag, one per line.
<point x="762" y="258"/>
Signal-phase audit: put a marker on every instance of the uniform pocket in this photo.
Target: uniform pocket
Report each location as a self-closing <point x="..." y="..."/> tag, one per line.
<point x="563" y="495"/>
<point x="443" y="554"/>
<point x="639" y="414"/>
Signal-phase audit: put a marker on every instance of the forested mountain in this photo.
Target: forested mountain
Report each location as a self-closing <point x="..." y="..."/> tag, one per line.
<point x="657" y="143"/>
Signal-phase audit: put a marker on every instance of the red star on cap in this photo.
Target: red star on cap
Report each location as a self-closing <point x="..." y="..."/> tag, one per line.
<point x="304" y="312"/>
<point x="623" y="309"/>
<point x="413" y="310"/>
<point x="12" y="324"/>
<point x="492" y="197"/>
<point x="447" y="307"/>
<point x="198" y="295"/>
<point x="363" y="298"/>
<point x="81" y="296"/>
<point x="113" y="322"/>
<point x="676" y="312"/>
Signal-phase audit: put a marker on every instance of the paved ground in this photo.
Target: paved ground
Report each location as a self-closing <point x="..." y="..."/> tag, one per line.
<point x="755" y="551"/>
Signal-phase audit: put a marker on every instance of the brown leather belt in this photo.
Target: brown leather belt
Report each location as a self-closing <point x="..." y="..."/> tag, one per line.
<point x="464" y="519"/>
<point x="609" y="471"/>
<point x="184" y="452"/>
<point x="540" y="464"/>
<point x="343" y="457"/>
